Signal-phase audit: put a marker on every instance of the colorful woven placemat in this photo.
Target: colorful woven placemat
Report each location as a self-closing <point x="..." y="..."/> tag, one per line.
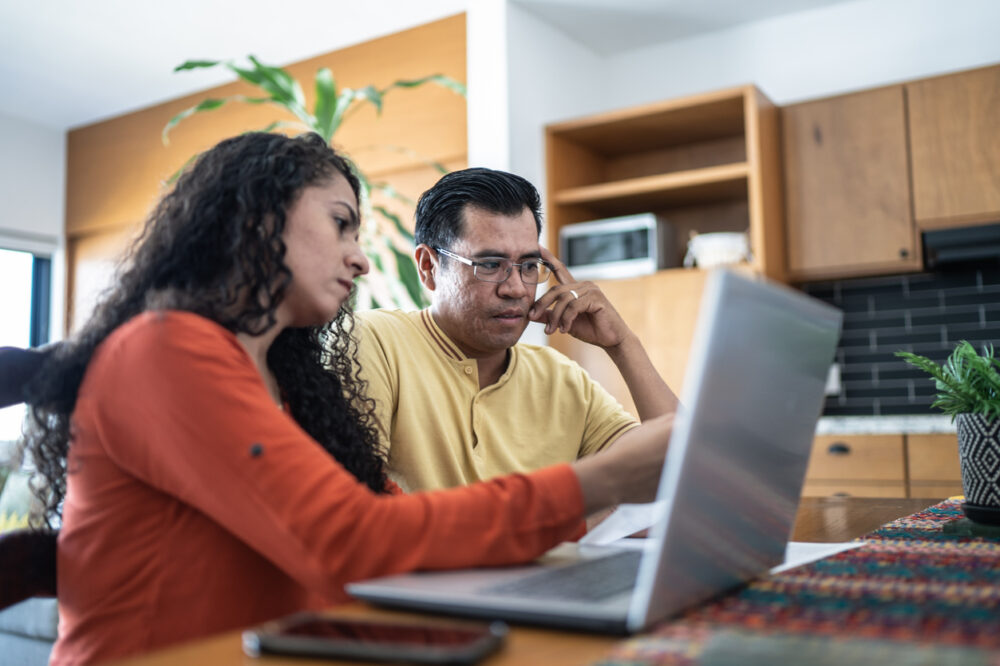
<point x="915" y="593"/>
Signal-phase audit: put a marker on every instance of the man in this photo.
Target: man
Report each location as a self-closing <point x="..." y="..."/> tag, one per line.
<point x="457" y="398"/>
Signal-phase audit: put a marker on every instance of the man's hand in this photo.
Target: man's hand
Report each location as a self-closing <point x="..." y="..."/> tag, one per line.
<point x="578" y="308"/>
<point x="582" y="310"/>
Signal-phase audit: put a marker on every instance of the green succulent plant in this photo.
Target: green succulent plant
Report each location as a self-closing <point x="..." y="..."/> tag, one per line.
<point x="967" y="383"/>
<point x="386" y="241"/>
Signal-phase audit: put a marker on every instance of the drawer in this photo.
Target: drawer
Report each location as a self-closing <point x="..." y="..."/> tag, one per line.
<point x="933" y="458"/>
<point x="867" y="458"/>
<point x="849" y="489"/>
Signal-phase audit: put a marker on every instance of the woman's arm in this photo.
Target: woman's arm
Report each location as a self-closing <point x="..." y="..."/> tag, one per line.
<point x="179" y="405"/>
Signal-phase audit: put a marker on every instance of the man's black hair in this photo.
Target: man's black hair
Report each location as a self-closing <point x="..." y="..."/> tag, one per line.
<point x="440" y="210"/>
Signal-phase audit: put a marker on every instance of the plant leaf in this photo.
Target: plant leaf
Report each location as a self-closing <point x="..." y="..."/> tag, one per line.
<point x="326" y="103"/>
<point x="396" y="222"/>
<point x="196" y="64"/>
<point x="440" y="79"/>
<point x="370" y="94"/>
<point x="966" y="383"/>
<point x="276" y="82"/>
<point x="210" y="104"/>
<point x="346" y="102"/>
<point x="177" y="174"/>
<point x="407" y="271"/>
<point x="279" y="83"/>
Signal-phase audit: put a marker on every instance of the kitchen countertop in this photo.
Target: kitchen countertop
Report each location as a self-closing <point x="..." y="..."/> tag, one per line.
<point x="885" y="425"/>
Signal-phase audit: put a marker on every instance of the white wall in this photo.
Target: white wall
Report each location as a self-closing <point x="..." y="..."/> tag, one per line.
<point x="33" y="192"/>
<point x="551" y="77"/>
<point x="828" y="51"/>
<point x="32" y="179"/>
<point x="817" y="53"/>
<point x="486" y="76"/>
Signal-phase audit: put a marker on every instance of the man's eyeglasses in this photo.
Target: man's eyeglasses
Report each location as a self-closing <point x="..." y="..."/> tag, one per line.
<point x="498" y="269"/>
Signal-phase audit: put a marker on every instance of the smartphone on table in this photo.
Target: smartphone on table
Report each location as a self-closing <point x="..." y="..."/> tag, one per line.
<point x="330" y="636"/>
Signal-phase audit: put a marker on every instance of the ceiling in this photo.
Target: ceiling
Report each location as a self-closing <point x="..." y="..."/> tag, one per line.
<point x="65" y="63"/>
<point x="614" y="26"/>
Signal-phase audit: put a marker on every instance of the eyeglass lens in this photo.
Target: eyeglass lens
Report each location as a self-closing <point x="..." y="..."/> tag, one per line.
<point x="498" y="270"/>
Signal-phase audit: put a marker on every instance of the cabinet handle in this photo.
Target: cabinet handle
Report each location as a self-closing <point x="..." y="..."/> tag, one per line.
<point x="838" y="449"/>
<point x="817" y="135"/>
<point x="903" y="253"/>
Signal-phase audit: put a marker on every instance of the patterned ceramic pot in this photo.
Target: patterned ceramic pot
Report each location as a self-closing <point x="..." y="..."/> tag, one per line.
<point x="979" y="458"/>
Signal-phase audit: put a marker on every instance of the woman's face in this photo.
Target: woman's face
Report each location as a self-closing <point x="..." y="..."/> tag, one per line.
<point x="322" y="252"/>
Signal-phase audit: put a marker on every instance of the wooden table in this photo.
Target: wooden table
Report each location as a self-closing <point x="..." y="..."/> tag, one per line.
<point x="826" y="519"/>
<point x="832" y="519"/>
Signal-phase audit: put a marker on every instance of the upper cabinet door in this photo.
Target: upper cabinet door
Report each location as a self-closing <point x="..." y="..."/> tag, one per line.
<point x="955" y="144"/>
<point x="846" y="188"/>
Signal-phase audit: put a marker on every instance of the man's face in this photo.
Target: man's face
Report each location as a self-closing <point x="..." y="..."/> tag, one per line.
<point x="485" y="318"/>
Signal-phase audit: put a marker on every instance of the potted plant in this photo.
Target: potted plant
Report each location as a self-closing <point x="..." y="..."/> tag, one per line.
<point x="386" y="241"/>
<point x="968" y="389"/>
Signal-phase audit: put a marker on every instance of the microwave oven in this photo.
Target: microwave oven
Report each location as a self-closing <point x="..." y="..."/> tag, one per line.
<point x="617" y="247"/>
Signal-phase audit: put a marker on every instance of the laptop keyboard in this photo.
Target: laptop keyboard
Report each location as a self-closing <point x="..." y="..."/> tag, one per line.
<point x="587" y="580"/>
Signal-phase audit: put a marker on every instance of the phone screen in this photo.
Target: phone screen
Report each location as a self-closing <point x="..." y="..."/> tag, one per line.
<point x="310" y="634"/>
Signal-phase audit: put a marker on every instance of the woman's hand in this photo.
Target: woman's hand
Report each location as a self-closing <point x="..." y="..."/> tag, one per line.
<point x="630" y="470"/>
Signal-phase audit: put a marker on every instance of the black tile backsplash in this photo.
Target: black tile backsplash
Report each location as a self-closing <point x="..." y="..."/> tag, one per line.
<point x="926" y="313"/>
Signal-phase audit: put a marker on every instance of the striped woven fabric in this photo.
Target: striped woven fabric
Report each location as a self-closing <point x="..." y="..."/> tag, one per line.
<point x="917" y="592"/>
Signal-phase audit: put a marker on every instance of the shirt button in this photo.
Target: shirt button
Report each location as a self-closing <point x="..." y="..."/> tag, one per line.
<point x="468" y="370"/>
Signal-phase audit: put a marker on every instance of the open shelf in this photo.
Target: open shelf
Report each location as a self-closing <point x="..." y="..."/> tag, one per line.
<point x="704" y="163"/>
<point x="706" y="185"/>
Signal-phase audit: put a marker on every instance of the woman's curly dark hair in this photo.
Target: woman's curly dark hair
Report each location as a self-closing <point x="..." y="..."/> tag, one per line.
<point x="213" y="246"/>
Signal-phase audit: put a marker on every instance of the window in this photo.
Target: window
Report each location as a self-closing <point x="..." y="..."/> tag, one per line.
<point x="25" y="290"/>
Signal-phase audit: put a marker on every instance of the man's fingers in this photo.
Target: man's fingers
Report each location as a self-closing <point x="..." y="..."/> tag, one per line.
<point x="563" y="276"/>
<point x="564" y="312"/>
<point x="561" y="292"/>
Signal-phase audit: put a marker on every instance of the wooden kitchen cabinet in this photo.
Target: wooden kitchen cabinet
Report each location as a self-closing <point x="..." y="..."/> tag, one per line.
<point x="856" y="465"/>
<point x="932" y="462"/>
<point x="954" y="124"/>
<point x="847" y="192"/>
<point x="898" y="465"/>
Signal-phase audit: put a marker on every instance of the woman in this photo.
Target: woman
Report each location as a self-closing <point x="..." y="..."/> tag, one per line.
<point x="206" y="440"/>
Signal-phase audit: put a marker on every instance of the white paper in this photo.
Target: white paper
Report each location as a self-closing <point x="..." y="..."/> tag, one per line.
<point x="628" y="519"/>
<point x="624" y="521"/>
<point x="798" y="553"/>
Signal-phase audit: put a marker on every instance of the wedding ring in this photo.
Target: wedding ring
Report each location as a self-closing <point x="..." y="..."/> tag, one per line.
<point x="575" y="295"/>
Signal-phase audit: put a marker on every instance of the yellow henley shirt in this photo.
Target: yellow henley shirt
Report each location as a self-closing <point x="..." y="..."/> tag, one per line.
<point x="442" y="431"/>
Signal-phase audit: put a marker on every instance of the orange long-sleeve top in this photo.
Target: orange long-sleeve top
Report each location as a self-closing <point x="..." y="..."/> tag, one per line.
<point x="195" y="505"/>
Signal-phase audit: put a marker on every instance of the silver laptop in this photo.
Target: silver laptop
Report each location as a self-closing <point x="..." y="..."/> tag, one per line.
<point x="730" y="485"/>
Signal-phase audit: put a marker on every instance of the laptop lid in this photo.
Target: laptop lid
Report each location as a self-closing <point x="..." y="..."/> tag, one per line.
<point x="732" y="475"/>
<point x="753" y="392"/>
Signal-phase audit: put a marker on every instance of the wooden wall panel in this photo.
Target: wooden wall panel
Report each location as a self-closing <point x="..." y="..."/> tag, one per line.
<point x="93" y="260"/>
<point x="115" y="168"/>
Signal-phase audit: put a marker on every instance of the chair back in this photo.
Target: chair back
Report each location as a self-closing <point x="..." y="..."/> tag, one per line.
<point x="17" y="367"/>
<point x="27" y="556"/>
<point x="27" y="565"/>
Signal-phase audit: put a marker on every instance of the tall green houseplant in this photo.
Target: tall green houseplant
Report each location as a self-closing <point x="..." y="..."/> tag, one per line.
<point x="386" y="241"/>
